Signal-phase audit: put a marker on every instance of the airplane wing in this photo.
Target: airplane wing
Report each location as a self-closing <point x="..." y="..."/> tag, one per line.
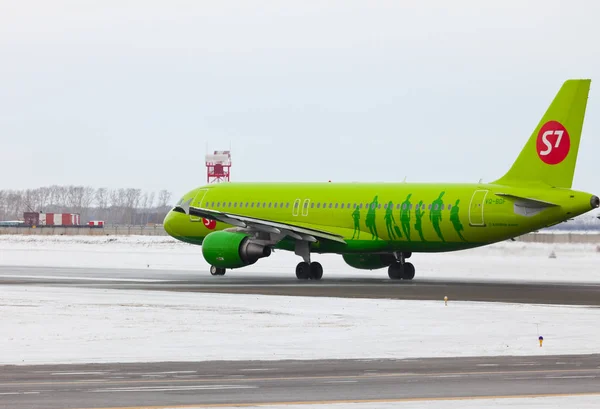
<point x="260" y="225"/>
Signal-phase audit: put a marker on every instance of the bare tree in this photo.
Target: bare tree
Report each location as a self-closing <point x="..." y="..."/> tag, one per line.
<point x="116" y="206"/>
<point x="163" y="198"/>
<point x="150" y="206"/>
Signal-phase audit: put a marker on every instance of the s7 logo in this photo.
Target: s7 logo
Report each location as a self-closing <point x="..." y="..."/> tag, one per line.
<point x="546" y="142"/>
<point x="553" y="143"/>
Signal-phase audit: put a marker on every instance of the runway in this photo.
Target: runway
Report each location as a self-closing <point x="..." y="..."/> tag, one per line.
<point x="174" y="384"/>
<point x="379" y="287"/>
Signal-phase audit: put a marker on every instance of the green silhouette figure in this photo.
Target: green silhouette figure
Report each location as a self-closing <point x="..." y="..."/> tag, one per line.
<point x="435" y="215"/>
<point x="390" y="222"/>
<point x="405" y="216"/>
<point x="370" y="219"/>
<point x="456" y="221"/>
<point x="356" y="218"/>
<point x="419" y="212"/>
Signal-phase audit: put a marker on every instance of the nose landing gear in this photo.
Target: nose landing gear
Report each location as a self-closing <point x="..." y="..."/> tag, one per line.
<point x="217" y="271"/>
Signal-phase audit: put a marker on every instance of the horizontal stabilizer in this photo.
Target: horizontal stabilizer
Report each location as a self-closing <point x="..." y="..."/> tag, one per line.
<point x="526" y="206"/>
<point x="533" y="202"/>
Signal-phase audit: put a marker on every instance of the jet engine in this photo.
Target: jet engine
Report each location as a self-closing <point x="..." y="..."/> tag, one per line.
<point x="232" y="250"/>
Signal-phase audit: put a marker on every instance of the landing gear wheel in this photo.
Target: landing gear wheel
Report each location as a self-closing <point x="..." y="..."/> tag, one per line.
<point x="395" y="271"/>
<point x="316" y="271"/>
<point x="303" y="271"/>
<point x="217" y="271"/>
<point x="409" y="271"/>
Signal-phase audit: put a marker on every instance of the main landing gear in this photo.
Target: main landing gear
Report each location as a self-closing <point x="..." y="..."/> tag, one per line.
<point x="217" y="271"/>
<point x="309" y="271"/>
<point x="401" y="270"/>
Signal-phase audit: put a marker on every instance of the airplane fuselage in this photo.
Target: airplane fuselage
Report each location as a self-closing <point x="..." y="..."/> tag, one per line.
<point x="385" y="217"/>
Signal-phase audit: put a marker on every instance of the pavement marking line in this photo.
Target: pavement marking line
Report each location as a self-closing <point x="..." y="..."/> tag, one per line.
<point x="172" y="388"/>
<point x="41" y="277"/>
<point x="243" y="378"/>
<point x="332" y="402"/>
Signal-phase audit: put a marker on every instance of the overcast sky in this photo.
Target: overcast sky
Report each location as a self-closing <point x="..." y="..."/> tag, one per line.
<point x="129" y="93"/>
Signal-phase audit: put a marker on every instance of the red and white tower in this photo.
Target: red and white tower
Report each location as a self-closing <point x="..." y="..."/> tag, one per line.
<point x="218" y="166"/>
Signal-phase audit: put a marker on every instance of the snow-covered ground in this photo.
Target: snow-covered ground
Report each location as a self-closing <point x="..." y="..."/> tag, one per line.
<point x="76" y="325"/>
<point x="501" y="261"/>
<point x="579" y="402"/>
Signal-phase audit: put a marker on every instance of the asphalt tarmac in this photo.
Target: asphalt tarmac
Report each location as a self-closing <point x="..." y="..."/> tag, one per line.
<point x="178" y="384"/>
<point x="380" y="287"/>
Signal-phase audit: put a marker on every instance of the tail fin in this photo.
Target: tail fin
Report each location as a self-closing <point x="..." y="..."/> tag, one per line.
<point x="550" y="154"/>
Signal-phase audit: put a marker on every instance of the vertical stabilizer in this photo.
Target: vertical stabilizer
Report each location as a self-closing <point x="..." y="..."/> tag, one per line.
<point x="550" y="155"/>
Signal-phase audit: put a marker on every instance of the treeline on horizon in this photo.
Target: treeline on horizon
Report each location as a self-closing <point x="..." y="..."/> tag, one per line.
<point x="124" y="206"/>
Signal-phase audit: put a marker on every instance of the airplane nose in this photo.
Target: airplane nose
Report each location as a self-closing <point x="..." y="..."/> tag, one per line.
<point x="168" y="223"/>
<point x="595" y="202"/>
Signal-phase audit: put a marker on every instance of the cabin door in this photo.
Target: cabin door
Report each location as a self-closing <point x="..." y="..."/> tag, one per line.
<point x="476" y="218"/>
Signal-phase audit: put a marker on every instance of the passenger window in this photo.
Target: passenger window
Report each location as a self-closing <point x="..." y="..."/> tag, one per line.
<point x="246" y="204"/>
<point x="429" y="207"/>
<point x="287" y="205"/>
<point x="449" y="206"/>
<point x="379" y="206"/>
<point x="234" y="204"/>
<point x="398" y="206"/>
<point x="330" y="205"/>
<point x="251" y="204"/>
<point x="257" y="204"/>
<point x="269" y="205"/>
<point x="435" y="207"/>
<point x="318" y="205"/>
<point x="281" y="205"/>
<point x="336" y="205"/>
<point x="296" y="205"/>
<point x="218" y="204"/>
<point x="348" y="205"/>
<point x="305" y="204"/>
<point x="275" y="205"/>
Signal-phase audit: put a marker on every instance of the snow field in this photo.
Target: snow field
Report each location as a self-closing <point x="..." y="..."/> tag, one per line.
<point x="76" y="325"/>
<point x="579" y="402"/>
<point x="501" y="261"/>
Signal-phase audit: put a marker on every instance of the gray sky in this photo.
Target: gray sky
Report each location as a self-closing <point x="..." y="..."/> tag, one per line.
<point x="129" y="93"/>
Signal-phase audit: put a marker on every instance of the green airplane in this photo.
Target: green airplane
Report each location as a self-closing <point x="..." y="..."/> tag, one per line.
<point x="377" y="225"/>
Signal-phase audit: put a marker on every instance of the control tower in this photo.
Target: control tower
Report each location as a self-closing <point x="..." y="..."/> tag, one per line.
<point x="218" y="167"/>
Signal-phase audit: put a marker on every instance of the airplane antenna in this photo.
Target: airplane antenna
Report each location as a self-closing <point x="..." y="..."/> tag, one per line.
<point x="404" y="181"/>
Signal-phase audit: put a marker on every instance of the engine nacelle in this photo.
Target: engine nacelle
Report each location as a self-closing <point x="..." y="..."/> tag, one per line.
<point x="232" y="250"/>
<point x="369" y="261"/>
